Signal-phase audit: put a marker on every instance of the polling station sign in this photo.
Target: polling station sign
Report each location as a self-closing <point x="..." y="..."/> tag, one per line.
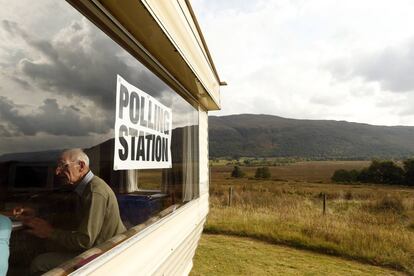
<point x="142" y="130"/>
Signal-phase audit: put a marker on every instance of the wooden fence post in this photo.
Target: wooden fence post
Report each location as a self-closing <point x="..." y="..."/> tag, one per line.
<point x="209" y="175"/>
<point x="230" y="195"/>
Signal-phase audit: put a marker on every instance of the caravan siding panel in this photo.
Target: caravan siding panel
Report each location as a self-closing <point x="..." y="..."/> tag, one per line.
<point x="180" y="263"/>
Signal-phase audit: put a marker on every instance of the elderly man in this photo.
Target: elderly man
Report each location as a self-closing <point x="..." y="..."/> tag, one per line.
<point x="100" y="217"/>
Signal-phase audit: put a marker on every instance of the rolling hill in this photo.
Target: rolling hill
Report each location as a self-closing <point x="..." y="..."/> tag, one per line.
<point x="273" y="136"/>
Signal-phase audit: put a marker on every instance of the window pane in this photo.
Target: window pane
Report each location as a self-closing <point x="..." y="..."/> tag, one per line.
<point x="57" y="91"/>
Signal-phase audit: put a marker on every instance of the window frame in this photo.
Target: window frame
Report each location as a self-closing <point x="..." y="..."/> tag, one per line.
<point x="103" y="20"/>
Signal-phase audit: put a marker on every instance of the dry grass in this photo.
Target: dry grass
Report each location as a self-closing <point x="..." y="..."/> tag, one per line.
<point x="369" y="223"/>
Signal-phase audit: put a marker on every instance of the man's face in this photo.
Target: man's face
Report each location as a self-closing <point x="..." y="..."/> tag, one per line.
<point x="70" y="171"/>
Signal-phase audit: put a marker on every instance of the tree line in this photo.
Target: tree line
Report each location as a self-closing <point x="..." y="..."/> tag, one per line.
<point x="381" y="172"/>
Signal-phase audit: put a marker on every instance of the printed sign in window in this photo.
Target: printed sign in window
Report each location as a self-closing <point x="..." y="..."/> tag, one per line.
<point x="142" y="130"/>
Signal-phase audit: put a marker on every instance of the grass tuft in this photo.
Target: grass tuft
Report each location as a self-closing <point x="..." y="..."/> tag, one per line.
<point x="389" y="203"/>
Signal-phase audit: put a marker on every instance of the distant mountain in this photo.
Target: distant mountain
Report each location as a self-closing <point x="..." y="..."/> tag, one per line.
<point x="267" y="135"/>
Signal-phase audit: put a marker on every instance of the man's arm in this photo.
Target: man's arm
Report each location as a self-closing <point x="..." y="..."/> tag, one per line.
<point x="91" y="223"/>
<point x="39" y="227"/>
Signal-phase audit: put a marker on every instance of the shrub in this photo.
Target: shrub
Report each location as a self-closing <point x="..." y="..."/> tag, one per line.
<point x="390" y="203"/>
<point x="237" y="172"/>
<point x="262" y="172"/>
<point x="258" y="173"/>
<point x="382" y="172"/>
<point x="340" y="176"/>
<point x="348" y="195"/>
<point x="409" y="172"/>
<point x="345" y="176"/>
<point x="386" y="172"/>
<point x="365" y="176"/>
<point x="354" y="175"/>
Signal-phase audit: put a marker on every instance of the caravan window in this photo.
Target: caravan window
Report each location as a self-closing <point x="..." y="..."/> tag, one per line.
<point x="58" y="91"/>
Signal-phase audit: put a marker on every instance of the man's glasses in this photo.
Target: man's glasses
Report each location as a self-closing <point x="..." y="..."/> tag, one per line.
<point x="63" y="165"/>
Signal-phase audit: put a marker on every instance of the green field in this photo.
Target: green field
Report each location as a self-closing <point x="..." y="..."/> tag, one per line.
<point x="371" y="224"/>
<point x="244" y="256"/>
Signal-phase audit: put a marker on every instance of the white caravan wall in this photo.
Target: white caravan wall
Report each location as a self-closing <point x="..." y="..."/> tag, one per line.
<point x="203" y="156"/>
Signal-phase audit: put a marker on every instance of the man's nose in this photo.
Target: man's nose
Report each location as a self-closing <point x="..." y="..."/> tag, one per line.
<point x="58" y="170"/>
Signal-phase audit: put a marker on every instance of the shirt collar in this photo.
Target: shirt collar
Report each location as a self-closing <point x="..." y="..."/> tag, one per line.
<point x="82" y="184"/>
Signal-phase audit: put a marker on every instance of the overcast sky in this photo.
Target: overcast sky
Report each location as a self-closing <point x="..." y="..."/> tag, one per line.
<point x="314" y="59"/>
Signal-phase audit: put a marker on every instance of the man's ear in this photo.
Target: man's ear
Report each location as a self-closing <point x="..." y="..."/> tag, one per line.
<point x="82" y="165"/>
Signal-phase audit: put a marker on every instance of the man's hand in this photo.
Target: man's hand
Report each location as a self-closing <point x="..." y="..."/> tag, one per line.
<point x="40" y="227"/>
<point x="23" y="213"/>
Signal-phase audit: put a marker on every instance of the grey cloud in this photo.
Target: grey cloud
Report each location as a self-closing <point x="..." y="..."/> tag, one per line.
<point x="386" y="103"/>
<point x="75" y="108"/>
<point x="392" y="68"/>
<point x="24" y="84"/>
<point x="80" y="61"/>
<point x="7" y="131"/>
<point x="51" y="119"/>
<point x="9" y="113"/>
<point x="341" y="69"/>
<point x="9" y="27"/>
